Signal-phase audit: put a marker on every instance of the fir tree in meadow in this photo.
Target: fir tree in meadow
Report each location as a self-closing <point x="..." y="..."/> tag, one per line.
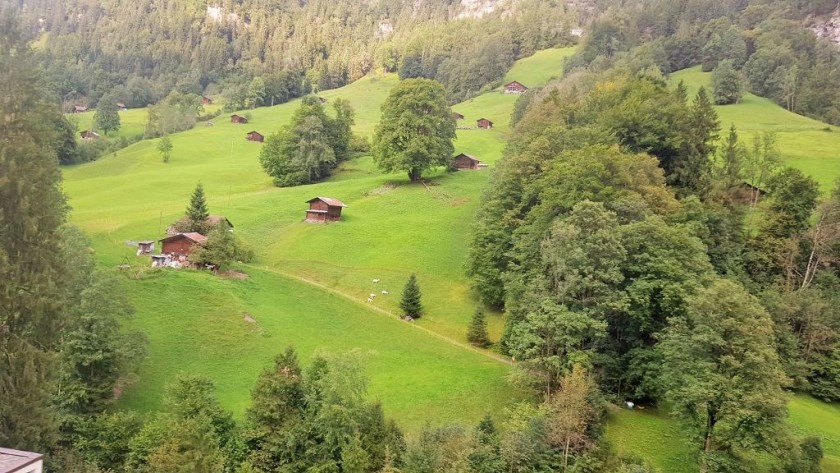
<point x="477" y="332"/>
<point x="410" y="302"/>
<point x="197" y="212"/>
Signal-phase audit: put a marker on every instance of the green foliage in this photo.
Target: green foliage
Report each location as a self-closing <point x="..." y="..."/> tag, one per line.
<point x="477" y="331"/>
<point x="311" y="147"/>
<point x="197" y="212"/>
<point x="221" y="249"/>
<point x="410" y="303"/>
<point x="792" y="201"/>
<point x="107" y="116"/>
<point x="728" y="84"/>
<point x="723" y="376"/>
<point x="32" y="270"/>
<point x="317" y="420"/>
<point x="416" y="130"/>
<point x="165" y="148"/>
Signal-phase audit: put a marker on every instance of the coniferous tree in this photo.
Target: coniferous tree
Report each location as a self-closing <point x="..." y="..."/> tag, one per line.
<point x="197" y="212"/>
<point x="477" y="332"/>
<point x="410" y="302"/>
<point x="32" y="273"/>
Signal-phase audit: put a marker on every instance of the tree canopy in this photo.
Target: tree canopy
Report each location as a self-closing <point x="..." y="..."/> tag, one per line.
<point x="416" y="129"/>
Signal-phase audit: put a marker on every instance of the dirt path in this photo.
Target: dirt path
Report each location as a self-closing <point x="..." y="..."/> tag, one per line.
<point x="381" y="311"/>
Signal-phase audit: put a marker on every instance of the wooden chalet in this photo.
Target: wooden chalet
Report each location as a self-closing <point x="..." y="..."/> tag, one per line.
<point x="255" y="136"/>
<point x="89" y="135"/>
<point x="484" y="123"/>
<point x="465" y="161"/>
<point x="515" y="88"/>
<point x="238" y="119"/>
<point x="324" y="209"/>
<point x="79" y="108"/>
<point x="205" y="100"/>
<point x="181" y="244"/>
<point x="457" y="116"/>
<point x="748" y="194"/>
<point x="18" y="461"/>
<point x="121" y="106"/>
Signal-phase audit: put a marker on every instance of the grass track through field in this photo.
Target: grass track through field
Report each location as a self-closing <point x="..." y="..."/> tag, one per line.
<point x="381" y="311"/>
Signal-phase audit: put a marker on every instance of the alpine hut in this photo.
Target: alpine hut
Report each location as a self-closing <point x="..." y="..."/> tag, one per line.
<point x="324" y="209"/>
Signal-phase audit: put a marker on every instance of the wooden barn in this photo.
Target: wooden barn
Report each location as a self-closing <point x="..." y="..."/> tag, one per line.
<point x="79" y="108"/>
<point x="89" y="135"/>
<point x="205" y="100"/>
<point x="457" y="116"/>
<point x="324" y="209"/>
<point x="515" y="88"/>
<point x="255" y="136"/>
<point x="238" y="119"/>
<point x="465" y="161"/>
<point x="181" y="244"/>
<point x="484" y="123"/>
<point x="121" y="106"/>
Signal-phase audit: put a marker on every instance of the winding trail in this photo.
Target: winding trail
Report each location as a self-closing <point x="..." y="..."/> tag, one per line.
<point x="381" y="311"/>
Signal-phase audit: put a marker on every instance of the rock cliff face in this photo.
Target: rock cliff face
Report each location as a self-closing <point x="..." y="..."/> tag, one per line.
<point x="827" y="26"/>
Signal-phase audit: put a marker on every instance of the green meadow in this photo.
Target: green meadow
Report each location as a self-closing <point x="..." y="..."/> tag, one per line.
<point x="309" y="284"/>
<point x="807" y="144"/>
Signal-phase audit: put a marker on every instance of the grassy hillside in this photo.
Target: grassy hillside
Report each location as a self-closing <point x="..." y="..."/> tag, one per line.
<point x="309" y="283"/>
<point x="653" y="435"/>
<point x="807" y="144"/>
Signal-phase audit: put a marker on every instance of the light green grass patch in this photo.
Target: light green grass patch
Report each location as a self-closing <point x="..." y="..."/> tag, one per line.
<point x="652" y="435"/>
<point x="805" y="143"/>
<point x="538" y="69"/>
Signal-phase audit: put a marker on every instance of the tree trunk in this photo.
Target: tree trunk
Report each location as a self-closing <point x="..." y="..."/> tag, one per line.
<point x="414" y="174"/>
<point x="707" y="447"/>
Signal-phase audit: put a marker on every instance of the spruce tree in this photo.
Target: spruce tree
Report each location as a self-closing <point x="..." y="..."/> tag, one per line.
<point x="477" y="332"/>
<point x="410" y="302"/>
<point x="197" y="212"/>
<point x="32" y="273"/>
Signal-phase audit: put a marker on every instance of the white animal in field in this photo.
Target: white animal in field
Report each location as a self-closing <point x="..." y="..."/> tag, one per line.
<point x="369" y="299"/>
<point x="372" y="295"/>
<point x="630" y="404"/>
<point x="385" y="292"/>
<point x="375" y="280"/>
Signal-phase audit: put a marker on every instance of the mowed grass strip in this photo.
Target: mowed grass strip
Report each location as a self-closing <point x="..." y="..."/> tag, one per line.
<point x="806" y="144"/>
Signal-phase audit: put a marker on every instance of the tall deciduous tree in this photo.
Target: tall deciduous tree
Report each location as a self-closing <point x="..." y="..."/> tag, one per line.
<point x="722" y="374"/>
<point x="728" y="83"/>
<point x="416" y="129"/>
<point x="107" y="116"/>
<point x="32" y="274"/>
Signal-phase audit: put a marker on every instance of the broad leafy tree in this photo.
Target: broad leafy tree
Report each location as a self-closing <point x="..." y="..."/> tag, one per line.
<point x="107" y="116"/>
<point x="722" y="375"/>
<point x="416" y="129"/>
<point x="728" y="84"/>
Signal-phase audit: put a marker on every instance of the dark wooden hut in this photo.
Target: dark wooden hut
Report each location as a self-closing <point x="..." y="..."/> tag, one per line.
<point x="181" y="244"/>
<point x="465" y="161"/>
<point x="255" y="136"/>
<point x="515" y="88"/>
<point x="324" y="209"/>
<point x="484" y="123"/>
<point x="238" y="119"/>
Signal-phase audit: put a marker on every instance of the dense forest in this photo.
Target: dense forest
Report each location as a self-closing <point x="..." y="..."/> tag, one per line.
<point x="623" y="234"/>
<point x="249" y="50"/>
